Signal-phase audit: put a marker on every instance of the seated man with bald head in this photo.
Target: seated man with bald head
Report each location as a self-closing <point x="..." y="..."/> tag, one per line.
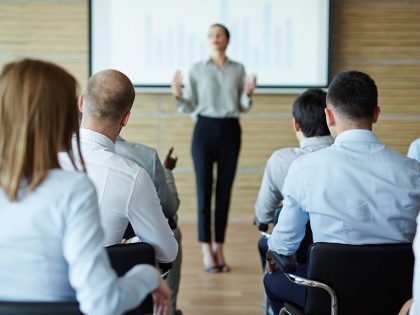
<point x="125" y="191"/>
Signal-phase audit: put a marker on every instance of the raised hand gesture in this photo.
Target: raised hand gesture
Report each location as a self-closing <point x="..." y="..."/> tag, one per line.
<point x="250" y="82"/>
<point x="177" y="84"/>
<point x="170" y="161"/>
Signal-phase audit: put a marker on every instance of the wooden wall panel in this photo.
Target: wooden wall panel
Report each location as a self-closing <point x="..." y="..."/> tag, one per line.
<point x="376" y="32"/>
<point x="380" y="37"/>
<point x="397" y="134"/>
<point x="51" y="30"/>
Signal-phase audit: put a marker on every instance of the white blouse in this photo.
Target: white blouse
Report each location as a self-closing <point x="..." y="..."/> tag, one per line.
<point x="51" y="246"/>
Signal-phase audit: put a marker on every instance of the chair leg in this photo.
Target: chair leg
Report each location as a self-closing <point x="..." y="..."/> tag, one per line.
<point x="266" y="305"/>
<point x="283" y="311"/>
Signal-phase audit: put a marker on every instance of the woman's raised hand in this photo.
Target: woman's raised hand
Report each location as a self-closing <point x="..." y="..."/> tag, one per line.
<point x="250" y="82"/>
<point x="177" y="84"/>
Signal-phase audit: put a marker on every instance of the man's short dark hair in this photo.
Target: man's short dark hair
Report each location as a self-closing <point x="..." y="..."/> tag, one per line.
<point x="308" y="111"/>
<point x="354" y="95"/>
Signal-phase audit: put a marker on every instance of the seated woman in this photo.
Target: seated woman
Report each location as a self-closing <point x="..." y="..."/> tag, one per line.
<point x="51" y="242"/>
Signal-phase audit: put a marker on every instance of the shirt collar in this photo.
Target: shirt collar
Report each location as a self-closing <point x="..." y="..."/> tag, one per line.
<point x="356" y="135"/>
<point x="324" y="140"/>
<point x="97" y="138"/>
<point x="208" y="61"/>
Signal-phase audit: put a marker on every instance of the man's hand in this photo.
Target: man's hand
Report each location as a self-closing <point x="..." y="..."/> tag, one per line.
<point x="170" y="161"/>
<point x="406" y="307"/>
<point x="161" y="299"/>
<point x="270" y="266"/>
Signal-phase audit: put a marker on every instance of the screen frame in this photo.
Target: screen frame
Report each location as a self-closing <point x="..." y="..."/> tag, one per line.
<point x="260" y="89"/>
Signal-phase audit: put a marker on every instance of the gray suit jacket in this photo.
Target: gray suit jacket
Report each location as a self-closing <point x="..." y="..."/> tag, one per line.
<point x="162" y="178"/>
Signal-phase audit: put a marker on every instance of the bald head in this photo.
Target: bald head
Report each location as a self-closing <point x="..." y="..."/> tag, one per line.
<point x="108" y="97"/>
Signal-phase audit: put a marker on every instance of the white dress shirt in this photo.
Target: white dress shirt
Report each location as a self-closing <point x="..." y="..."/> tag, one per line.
<point x="414" y="150"/>
<point x="51" y="246"/>
<point x="357" y="191"/>
<point x="125" y="193"/>
<point x="215" y="92"/>
<point x="415" y="307"/>
<point x="270" y="197"/>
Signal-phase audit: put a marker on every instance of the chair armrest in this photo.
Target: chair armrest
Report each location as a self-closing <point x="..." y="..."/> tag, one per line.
<point x="263" y="227"/>
<point x="165" y="267"/>
<point x="285" y="263"/>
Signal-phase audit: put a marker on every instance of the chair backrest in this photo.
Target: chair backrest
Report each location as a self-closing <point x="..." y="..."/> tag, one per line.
<point x="368" y="279"/>
<point x="39" y="308"/>
<point x="125" y="256"/>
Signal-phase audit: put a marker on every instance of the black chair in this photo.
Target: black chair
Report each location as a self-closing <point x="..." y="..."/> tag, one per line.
<point x="125" y="256"/>
<point x="354" y="279"/>
<point x="122" y="256"/>
<point x="164" y="267"/>
<point x="301" y="253"/>
<point x="39" y="308"/>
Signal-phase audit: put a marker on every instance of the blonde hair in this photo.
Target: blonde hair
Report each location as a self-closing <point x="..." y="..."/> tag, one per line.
<point x="38" y="116"/>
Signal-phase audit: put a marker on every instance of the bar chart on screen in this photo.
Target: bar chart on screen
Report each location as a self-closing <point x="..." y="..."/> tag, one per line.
<point x="284" y="42"/>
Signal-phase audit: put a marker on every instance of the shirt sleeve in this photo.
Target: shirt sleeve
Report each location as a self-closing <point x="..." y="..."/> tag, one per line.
<point x="189" y="101"/>
<point x="291" y="226"/>
<point x="98" y="289"/>
<point x="149" y="223"/>
<point x="269" y="196"/>
<point x="414" y="150"/>
<point x="164" y="182"/>
<point x="415" y="307"/>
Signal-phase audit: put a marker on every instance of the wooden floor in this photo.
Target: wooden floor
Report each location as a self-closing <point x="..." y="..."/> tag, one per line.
<point x="237" y="292"/>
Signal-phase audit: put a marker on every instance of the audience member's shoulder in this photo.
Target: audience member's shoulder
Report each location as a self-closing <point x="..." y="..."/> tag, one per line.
<point x="312" y="158"/>
<point x="416" y="143"/>
<point x="284" y="154"/>
<point x="414" y="150"/>
<point x="392" y="156"/>
<point x="71" y="180"/>
<point x="125" y="165"/>
<point x="135" y="148"/>
<point x="68" y="176"/>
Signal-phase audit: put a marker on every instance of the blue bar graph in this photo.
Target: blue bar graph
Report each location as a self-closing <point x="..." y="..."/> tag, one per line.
<point x="224" y="11"/>
<point x="149" y="40"/>
<point x="159" y="53"/>
<point x="170" y="49"/>
<point x="289" y="41"/>
<point x="266" y="35"/>
<point x="181" y="45"/>
<point x="178" y="46"/>
<point x="191" y="48"/>
<point x="277" y="48"/>
<point x="245" y="41"/>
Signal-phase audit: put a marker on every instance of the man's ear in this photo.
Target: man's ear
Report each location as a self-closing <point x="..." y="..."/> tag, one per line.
<point x="125" y="118"/>
<point x="296" y="126"/>
<point x="376" y="114"/>
<point x="80" y="103"/>
<point x="329" y="115"/>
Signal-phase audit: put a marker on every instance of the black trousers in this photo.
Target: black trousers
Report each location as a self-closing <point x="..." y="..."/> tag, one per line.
<point x="215" y="140"/>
